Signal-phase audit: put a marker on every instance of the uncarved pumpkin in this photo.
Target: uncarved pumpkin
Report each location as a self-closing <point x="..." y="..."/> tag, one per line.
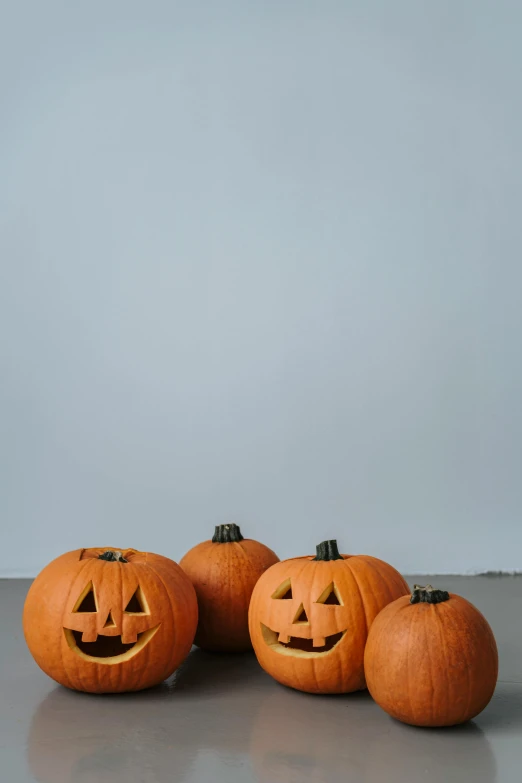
<point x="431" y="660"/>
<point x="224" y="572"/>
<point x="106" y="621"/>
<point x="309" y="617"/>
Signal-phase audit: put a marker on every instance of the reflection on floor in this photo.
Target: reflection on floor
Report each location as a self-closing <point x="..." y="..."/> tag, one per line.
<point x="222" y="718"/>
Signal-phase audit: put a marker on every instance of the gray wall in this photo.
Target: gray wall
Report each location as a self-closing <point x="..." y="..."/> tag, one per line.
<point x="262" y="262"/>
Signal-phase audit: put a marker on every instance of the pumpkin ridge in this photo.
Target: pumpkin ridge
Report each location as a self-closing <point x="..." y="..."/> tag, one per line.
<point x="362" y="597"/>
<point x="171" y="610"/>
<point x="241" y="573"/>
<point x="442" y="642"/>
<point x="185" y="588"/>
<point x="425" y="629"/>
<point x="453" y="611"/>
<point x="390" y="616"/>
<point x="375" y="565"/>
<point x="391" y="573"/>
<point x="408" y="663"/>
<point x="247" y="572"/>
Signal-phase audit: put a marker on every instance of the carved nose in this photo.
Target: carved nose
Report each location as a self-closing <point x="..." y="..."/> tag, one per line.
<point x="301" y="617"/>
<point x="109" y="622"/>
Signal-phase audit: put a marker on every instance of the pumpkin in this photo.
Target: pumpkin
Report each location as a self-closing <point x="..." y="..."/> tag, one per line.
<point x="224" y="572"/>
<point x="431" y="660"/>
<point x="106" y="621"/>
<point x="309" y="617"/>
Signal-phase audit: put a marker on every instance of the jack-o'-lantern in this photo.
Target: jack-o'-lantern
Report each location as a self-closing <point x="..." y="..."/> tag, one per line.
<point x="107" y="621"/>
<point x="309" y="617"/>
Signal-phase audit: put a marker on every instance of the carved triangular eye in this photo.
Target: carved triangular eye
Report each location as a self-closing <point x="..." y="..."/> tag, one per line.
<point x="87" y="600"/>
<point x="284" y="591"/>
<point x="330" y="596"/>
<point x="137" y="604"/>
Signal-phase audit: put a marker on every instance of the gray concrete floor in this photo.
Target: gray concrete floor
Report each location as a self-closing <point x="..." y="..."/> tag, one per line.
<point x="221" y="718"/>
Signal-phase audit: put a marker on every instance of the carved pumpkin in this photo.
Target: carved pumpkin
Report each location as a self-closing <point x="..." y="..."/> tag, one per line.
<point x="309" y="617"/>
<point x="107" y="621"/>
<point x="431" y="660"/>
<point x="224" y="572"/>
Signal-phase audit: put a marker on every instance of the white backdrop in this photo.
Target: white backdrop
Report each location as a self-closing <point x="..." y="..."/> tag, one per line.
<point x="261" y="262"/>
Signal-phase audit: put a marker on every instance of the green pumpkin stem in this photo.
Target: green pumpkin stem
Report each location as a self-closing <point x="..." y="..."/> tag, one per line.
<point x="327" y="550"/>
<point x="428" y="595"/>
<point x="227" y="534"/>
<point x="112" y="557"/>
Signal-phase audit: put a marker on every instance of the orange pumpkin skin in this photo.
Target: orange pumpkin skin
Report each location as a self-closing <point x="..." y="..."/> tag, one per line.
<point x="331" y="634"/>
<point x="224" y="572"/>
<point x="431" y="664"/>
<point x="116" y="646"/>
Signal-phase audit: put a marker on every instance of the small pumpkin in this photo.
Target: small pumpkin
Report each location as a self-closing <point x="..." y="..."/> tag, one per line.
<point x="431" y="659"/>
<point x="224" y="572"/>
<point x="107" y="621"/>
<point x="309" y="617"/>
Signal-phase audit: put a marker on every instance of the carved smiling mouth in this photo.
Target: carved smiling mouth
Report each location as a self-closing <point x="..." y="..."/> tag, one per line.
<point x="107" y="649"/>
<point x="296" y="646"/>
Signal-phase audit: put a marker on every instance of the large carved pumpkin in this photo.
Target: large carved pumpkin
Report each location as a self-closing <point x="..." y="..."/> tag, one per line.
<point x="309" y="617"/>
<point x="101" y="620"/>
<point x="431" y="660"/>
<point x="224" y="572"/>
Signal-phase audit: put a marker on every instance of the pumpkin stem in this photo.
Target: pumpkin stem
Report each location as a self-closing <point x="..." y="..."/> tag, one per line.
<point x="112" y="557"/>
<point x="327" y="550"/>
<point x="227" y="534"/>
<point x="428" y="595"/>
